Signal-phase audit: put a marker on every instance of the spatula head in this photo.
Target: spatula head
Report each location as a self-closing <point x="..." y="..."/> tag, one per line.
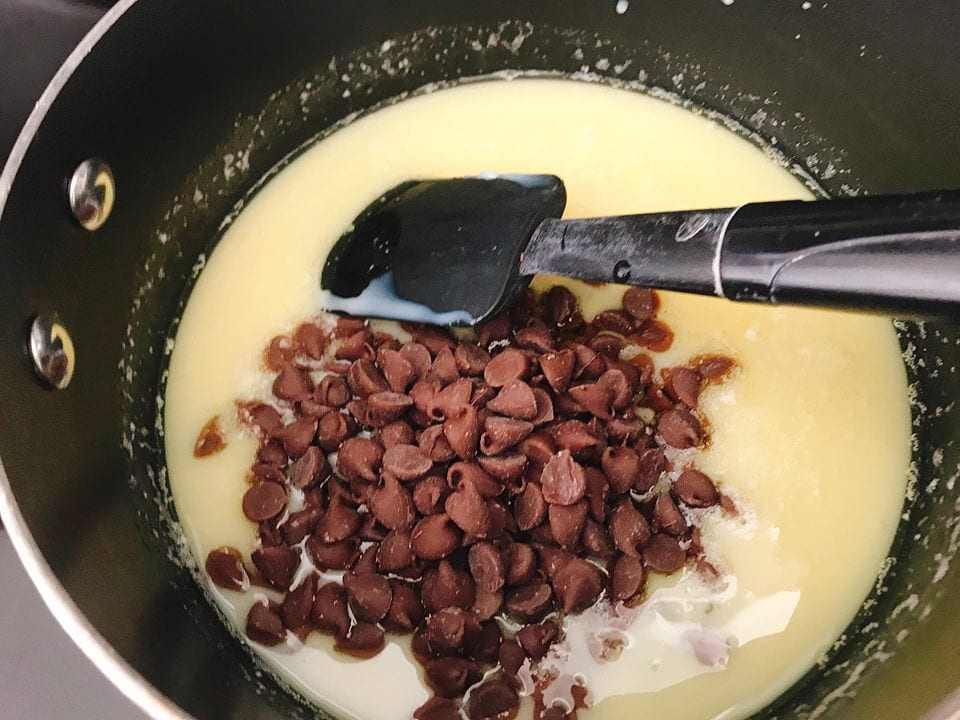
<point x="445" y="252"/>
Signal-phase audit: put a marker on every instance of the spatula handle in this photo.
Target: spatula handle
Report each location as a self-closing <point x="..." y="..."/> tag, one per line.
<point x="898" y="255"/>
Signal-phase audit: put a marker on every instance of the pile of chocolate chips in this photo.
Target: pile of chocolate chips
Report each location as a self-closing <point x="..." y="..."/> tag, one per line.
<point x="519" y="475"/>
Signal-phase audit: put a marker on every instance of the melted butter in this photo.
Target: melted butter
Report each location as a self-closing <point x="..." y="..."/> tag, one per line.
<point x="810" y="435"/>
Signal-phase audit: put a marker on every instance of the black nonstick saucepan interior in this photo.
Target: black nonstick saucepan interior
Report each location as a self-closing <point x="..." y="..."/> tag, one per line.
<point x="192" y="104"/>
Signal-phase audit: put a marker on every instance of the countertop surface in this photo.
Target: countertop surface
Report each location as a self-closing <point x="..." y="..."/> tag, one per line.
<point x="43" y="674"/>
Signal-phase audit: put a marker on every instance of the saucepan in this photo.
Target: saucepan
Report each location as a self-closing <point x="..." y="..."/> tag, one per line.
<point x="169" y="114"/>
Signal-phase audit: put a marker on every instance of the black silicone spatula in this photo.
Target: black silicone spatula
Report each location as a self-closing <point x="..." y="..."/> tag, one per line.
<point x="460" y="251"/>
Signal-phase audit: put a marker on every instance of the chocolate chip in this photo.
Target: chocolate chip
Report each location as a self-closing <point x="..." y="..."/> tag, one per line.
<point x="566" y="522"/>
<point x="450" y="401"/>
<point x="210" y="440"/>
<point x="575" y="436"/>
<point x="397" y="370"/>
<point x="534" y="336"/>
<point x="430" y="494"/>
<point x="563" y="481"/>
<point x="310" y="468"/>
<point x="406" y="612"/>
<point x="515" y="400"/>
<point x="334" y="555"/>
<point x="471" y="359"/>
<point x="264" y="500"/>
<point x="613" y="320"/>
<point x="418" y="356"/>
<point x="329" y="613"/>
<point x="608" y="344"/>
<point x="463" y="432"/>
<point x="653" y="463"/>
<point x="713" y="367"/>
<point x="337" y="367"/>
<point x="446" y="629"/>
<point x="451" y="676"/>
<point x="385" y="407"/>
<point x="577" y="585"/>
<point x="494" y="700"/>
<point x="624" y="431"/>
<point x="406" y="462"/>
<point x="431" y="337"/>
<point x="682" y="384"/>
<point x="537" y="639"/>
<point x="299" y="525"/>
<point x="359" y="458"/>
<point x="520" y="563"/>
<point x="662" y="553"/>
<point x="279" y="351"/>
<point x="500" y="433"/>
<point x="667" y="517"/>
<point x="433" y="443"/>
<point x="363" y="640"/>
<point x="640" y="303"/>
<point x="487" y="604"/>
<point x="589" y="364"/>
<point x="444" y="369"/>
<point x="365" y="379"/>
<point x="265" y="418"/>
<point x="225" y="568"/>
<point x="505" y="467"/>
<point x="628" y="527"/>
<point x="529" y="508"/>
<point x="368" y="594"/>
<point x="696" y="489"/>
<point x="493" y="330"/>
<point x="332" y="390"/>
<point x="310" y="340"/>
<point x="264" y="472"/>
<point x="654" y="335"/>
<point x="595" y="398"/>
<point x="597" y="489"/>
<point x="552" y="558"/>
<point x="277" y="564"/>
<point x="539" y="447"/>
<point x="371" y="530"/>
<point x="467" y="508"/>
<point x="435" y="537"/>
<point x="392" y="504"/>
<point x="621" y="465"/>
<point x="545" y="410"/>
<point x="396" y="433"/>
<point x="447" y="587"/>
<point x="482" y="394"/>
<point x="356" y="347"/>
<point x="627" y="578"/>
<point x="622" y="380"/>
<point x="264" y="625"/>
<point x="558" y="368"/>
<point x="438" y="708"/>
<point x="298" y="604"/>
<point x="680" y="428"/>
<point x="339" y="522"/>
<point x="332" y="429"/>
<point x="530" y="602"/>
<point x="486" y="566"/>
<point x="596" y="540"/>
<point x="510" y="364"/>
<point x="292" y="384"/>
<point x="297" y="436"/>
<point x="394" y="552"/>
<point x="560" y="308"/>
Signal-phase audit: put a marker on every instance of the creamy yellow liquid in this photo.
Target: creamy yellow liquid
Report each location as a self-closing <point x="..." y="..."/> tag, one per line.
<point x="810" y="436"/>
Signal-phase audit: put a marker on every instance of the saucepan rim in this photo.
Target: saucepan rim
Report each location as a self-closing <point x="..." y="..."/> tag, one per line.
<point x="131" y="683"/>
